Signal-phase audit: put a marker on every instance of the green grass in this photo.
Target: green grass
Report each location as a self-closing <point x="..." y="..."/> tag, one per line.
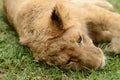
<point x="17" y="62"/>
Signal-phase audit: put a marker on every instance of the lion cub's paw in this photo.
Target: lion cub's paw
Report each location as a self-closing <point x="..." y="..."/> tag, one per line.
<point x="111" y="48"/>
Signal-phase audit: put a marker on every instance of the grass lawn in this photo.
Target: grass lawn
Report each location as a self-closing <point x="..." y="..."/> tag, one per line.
<point x="17" y="63"/>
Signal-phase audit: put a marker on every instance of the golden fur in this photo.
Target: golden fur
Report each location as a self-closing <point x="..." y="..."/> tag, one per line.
<point x="60" y="32"/>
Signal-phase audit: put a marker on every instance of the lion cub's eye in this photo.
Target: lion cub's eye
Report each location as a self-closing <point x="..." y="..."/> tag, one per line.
<point x="80" y="39"/>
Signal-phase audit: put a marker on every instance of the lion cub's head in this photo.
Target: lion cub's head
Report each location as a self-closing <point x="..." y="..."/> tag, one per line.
<point x="70" y="46"/>
<point x="59" y="38"/>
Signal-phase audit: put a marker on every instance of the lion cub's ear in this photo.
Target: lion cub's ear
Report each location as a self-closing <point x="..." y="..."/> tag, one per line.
<point x="56" y="18"/>
<point x="65" y="14"/>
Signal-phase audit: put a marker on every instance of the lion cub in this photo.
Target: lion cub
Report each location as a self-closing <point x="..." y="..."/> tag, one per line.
<point x="61" y="32"/>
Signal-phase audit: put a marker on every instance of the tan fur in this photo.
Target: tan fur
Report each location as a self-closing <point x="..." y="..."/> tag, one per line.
<point x="60" y="32"/>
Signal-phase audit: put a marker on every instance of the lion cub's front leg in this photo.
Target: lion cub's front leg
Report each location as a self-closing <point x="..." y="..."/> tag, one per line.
<point x="114" y="46"/>
<point x="106" y="20"/>
<point x="113" y="26"/>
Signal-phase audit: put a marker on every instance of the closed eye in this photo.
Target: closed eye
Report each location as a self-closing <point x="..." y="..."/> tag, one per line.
<point x="79" y="40"/>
